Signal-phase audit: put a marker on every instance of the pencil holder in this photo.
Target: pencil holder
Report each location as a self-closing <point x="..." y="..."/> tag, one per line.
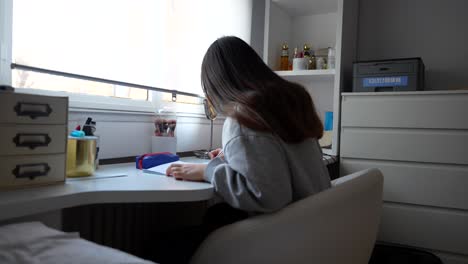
<point x="164" y="139"/>
<point x="81" y="156"/>
<point x="163" y="144"/>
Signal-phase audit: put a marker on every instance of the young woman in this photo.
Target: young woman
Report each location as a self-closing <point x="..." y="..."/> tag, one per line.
<point x="270" y="137"/>
<point x="271" y="156"/>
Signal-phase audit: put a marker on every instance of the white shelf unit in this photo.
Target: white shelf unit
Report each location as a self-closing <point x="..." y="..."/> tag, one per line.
<point x="321" y="24"/>
<point x="308" y="75"/>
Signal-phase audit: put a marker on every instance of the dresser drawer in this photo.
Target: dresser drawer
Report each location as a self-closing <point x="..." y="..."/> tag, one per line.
<point x="17" y="108"/>
<point x="425" y="227"/>
<point x="18" y="171"/>
<point x="32" y="139"/>
<point x="418" y="145"/>
<point x="421" y="110"/>
<point x="439" y="185"/>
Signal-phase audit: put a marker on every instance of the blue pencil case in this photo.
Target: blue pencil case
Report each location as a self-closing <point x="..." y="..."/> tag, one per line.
<point x="150" y="160"/>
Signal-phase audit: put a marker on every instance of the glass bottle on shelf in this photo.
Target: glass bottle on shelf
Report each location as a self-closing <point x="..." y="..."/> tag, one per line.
<point x="321" y="64"/>
<point x="331" y="58"/>
<point x="308" y="53"/>
<point x="312" y="62"/>
<point x="284" y="61"/>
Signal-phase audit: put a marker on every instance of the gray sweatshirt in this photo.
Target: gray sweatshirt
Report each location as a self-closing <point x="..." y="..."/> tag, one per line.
<point x="261" y="173"/>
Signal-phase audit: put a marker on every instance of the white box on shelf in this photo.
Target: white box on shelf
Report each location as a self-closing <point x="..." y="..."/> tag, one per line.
<point x="164" y="144"/>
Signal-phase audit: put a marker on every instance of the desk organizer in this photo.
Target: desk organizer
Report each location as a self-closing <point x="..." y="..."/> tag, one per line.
<point x="81" y="156"/>
<point x="33" y="134"/>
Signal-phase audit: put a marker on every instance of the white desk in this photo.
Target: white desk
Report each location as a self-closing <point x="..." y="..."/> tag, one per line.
<point x="135" y="187"/>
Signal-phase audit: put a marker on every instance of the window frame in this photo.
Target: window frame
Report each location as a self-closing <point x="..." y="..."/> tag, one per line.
<point x="6" y="12"/>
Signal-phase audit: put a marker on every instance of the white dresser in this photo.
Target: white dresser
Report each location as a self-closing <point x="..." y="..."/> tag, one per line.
<point x="419" y="140"/>
<point x="33" y="136"/>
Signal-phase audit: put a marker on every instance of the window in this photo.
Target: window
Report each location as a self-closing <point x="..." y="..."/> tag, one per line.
<point x="157" y="43"/>
<point x="41" y="81"/>
<point x="105" y="39"/>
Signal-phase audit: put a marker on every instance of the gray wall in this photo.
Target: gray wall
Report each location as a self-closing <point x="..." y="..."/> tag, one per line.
<point x="258" y="26"/>
<point x="435" y="30"/>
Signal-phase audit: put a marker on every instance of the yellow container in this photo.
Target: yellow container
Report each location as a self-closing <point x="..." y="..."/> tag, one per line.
<point x="81" y="156"/>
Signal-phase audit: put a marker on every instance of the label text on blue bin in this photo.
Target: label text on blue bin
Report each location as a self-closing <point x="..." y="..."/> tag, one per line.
<point x="385" y="81"/>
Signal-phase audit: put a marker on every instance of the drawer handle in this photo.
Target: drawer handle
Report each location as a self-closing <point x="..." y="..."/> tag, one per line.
<point x="33" y="110"/>
<point x="32" y="140"/>
<point x="31" y="171"/>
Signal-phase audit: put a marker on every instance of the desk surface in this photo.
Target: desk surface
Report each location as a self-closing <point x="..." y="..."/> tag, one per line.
<point x="119" y="183"/>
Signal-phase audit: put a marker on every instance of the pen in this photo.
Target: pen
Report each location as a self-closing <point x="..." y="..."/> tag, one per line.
<point x="88" y="127"/>
<point x="172" y="126"/>
<point x="158" y="123"/>
<point x="221" y="152"/>
<point x="88" y="121"/>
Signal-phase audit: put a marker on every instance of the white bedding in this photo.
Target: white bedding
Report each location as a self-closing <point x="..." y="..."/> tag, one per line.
<point x="33" y="242"/>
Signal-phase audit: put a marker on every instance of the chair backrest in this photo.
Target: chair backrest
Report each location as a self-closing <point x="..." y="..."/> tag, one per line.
<point x="335" y="226"/>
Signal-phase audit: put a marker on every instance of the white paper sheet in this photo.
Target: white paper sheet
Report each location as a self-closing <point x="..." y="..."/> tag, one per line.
<point x="161" y="169"/>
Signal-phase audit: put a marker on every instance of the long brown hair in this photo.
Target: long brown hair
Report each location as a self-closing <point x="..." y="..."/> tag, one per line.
<point x="239" y="84"/>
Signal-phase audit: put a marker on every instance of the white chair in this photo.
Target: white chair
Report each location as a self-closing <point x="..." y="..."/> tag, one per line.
<point x="336" y="226"/>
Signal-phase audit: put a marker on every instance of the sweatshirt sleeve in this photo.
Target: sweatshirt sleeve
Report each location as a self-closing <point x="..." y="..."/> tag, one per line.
<point x="254" y="176"/>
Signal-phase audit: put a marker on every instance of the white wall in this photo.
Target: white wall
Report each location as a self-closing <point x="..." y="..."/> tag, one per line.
<point x="279" y="32"/>
<point x="126" y="134"/>
<point x="258" y="26"/>
<point x="432" y="29"/>
<point x="321" y="31"/>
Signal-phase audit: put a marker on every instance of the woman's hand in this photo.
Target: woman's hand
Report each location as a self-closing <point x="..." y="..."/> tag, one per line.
<point x="216" y="153"/>
<point x="189" y="172"/>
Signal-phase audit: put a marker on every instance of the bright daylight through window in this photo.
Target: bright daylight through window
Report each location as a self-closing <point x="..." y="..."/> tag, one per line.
<point x="157" y="43"/>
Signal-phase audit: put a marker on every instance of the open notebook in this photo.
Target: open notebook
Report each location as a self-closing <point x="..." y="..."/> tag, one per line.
<point x="161" y="169"/>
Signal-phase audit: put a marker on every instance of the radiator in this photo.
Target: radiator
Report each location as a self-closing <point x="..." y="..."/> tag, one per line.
<point x="132" y="228"/>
